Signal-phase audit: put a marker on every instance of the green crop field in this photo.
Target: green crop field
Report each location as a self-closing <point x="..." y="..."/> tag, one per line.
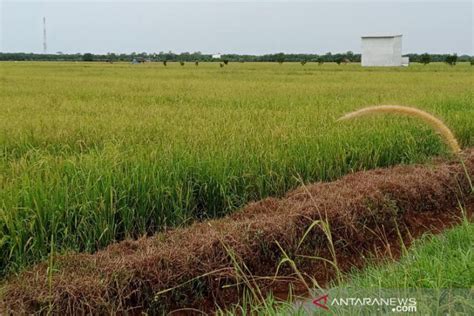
<point x="91" y="153"/>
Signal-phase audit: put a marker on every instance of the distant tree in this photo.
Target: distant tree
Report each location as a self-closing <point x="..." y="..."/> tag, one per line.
<point x="328" y="57"/>
<point x="165" y="63"/>
<point x="425" y="58"/>
<point x="280" y="58"/>
<point x="226" y="61"/>
<point x="196" y="63"/>
<point x="87" y="57"/>
<point x="350" y="56"/>
<point x="451" y="59"/>
<point x="181" y="63"/>
<point x="303" y="62"/>
<point x="111" y="58"/>
<point x="320" y="60"/>
<point x="221" y="64"/>
<point x="339" y="60"/>
<point x="472" y="61"/>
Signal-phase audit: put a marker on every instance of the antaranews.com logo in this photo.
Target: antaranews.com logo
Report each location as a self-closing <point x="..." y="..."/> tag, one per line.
<point x="352" y="301"/>
<point x="396" y="304"/>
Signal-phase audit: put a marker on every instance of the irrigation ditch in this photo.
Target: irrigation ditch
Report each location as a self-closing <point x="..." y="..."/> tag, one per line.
<point x="308" y="237"/>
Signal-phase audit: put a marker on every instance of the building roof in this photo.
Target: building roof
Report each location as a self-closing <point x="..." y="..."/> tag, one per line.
<point x="382" y="36"/>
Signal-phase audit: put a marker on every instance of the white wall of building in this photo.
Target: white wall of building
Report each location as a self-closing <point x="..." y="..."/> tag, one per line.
<point x="405" y="61"/>
<point x="384" y="51"/>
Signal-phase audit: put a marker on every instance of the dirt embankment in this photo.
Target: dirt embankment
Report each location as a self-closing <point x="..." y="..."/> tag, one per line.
<point x="367" y="212"/>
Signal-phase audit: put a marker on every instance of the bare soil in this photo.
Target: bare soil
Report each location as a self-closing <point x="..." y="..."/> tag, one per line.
<point x="369" y="213"/>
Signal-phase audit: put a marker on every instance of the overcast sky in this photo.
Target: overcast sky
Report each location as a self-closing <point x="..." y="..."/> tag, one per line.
<point x="243" y="27"/>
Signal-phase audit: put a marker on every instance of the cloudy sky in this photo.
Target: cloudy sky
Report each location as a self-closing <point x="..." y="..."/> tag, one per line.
<point x="244" y="27"/>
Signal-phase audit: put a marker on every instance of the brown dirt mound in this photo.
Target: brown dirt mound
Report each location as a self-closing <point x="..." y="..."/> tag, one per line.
<point x="368" y="212"/>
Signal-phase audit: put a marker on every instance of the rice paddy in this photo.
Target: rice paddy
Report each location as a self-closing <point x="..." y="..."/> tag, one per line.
<point x="93" y="153"/>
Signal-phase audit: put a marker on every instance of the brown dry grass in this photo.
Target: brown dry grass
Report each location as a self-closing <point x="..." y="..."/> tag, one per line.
<point x="367" y="212"/>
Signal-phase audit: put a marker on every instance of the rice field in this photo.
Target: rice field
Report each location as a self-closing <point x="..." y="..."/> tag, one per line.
<point x="92" y="153"/>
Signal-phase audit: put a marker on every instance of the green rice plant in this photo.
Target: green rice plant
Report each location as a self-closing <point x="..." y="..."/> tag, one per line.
<point x="437" y="124"/>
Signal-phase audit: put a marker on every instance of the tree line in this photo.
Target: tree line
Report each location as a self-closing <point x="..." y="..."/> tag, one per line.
<point x="199" y="57"/>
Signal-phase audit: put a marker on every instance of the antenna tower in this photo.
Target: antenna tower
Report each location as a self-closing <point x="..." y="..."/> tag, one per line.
<point x="45" y="47"/>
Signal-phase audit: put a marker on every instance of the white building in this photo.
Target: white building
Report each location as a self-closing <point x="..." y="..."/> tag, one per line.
<point x="216" y="56"/>
<point x="382" y="50"/>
